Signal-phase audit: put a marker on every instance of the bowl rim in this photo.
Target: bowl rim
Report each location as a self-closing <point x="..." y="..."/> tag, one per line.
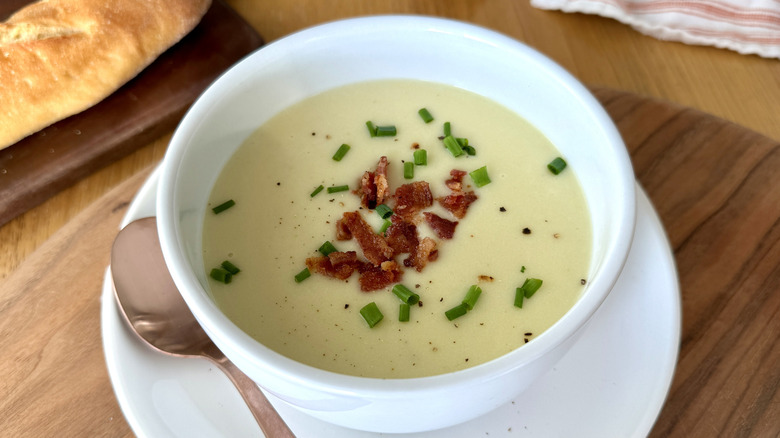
<point x="248" y="350"/>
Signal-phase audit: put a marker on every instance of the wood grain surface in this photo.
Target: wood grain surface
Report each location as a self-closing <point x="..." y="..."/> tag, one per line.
<point x="715" y="185"/>
<point x="147" y="107"/>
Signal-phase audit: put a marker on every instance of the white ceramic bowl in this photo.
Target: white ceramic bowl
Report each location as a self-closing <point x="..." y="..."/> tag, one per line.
<point x="334" y="54"/>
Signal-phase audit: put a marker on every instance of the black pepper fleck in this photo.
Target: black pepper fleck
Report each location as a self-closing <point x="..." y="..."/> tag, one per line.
<point x="526" y="230"/>
<point x="582" y="281"/>
<point x="502" y="209"/>
<point x="346" y="306"/>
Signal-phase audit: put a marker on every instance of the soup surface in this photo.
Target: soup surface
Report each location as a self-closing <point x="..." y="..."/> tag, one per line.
<point x="526" y="223"/>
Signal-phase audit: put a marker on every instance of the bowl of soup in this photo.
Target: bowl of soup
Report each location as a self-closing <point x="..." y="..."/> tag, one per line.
<point x="395" y="223"/>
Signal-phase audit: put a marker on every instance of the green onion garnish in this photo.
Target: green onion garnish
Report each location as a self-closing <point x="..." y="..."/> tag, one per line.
<point x="557" y="165"/>
<point x="457" y="311"/>
<point x="470" y="150"/>
<point x="426" y="115"/>
<point x="472" y="296"/>
<point x="403" y="312"/>
<point x="370" y="312"/>
<point x="519" y="295"/>
<point x="303" y="275"/>
<point x="530" y="286"/>
<point x="336" y="189"/>
<point x="384" y="211"/>
<point x="385" y="225"/>
<point x="408" y="170"/>
<point x="221" y="275"/>
<point x="420" y="157"/>
<point x="371" y="128"/>
<point x="223" y="206"/>
<point x="385" y="131"/>
<point x="480" y="176"/>
<point x="317" y="190"/>
<point x="405" y="294"/>
<point x="233" y="269"/>
<point x="343" y="149"/>
<point x="327" y="248"/>
<point x="452" y="145"/>
<point x="463" y="142"/>
<point x="447" y="129"/>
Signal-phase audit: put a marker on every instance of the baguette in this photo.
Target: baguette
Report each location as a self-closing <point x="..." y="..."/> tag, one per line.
<point x="60" y="57"/>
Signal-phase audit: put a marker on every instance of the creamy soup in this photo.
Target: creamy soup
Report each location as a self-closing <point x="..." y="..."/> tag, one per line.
<point x="526" y="223"/>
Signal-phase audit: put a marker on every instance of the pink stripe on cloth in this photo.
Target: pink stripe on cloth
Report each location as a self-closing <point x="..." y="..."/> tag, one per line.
<point x="745" y="26"/>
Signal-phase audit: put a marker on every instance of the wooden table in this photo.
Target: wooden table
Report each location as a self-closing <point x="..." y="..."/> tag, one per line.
<point x="712" y="394"/>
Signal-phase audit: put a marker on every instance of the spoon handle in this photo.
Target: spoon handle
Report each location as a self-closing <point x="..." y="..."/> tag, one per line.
<point x="269" y="420"/>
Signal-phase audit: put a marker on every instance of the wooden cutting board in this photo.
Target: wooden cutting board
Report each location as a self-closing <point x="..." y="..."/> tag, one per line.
<point x="147" y="107"/>
<point x="715" y="185"/>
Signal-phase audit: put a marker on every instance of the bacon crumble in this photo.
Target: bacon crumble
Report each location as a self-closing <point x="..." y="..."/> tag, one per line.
<point x="374" y="277"/>
<point x="374" y="186"/>
<point x="401" y="237"/>
<point x="425" y="252"/>
<point x="443" y="228"/>
<point x="337" y="264"/>
<point x="412" y="198"/>
<point x="374" y="246"/>
<point x="458" y="202"/>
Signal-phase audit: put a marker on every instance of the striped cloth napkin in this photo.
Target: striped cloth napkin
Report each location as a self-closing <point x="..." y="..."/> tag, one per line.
<point x="745" y="26"/>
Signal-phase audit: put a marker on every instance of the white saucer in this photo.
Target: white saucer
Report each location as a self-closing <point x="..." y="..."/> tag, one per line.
<point x="612" y="383"/>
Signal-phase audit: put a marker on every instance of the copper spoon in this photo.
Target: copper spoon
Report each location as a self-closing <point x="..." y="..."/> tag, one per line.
<point x="151" y="303"/>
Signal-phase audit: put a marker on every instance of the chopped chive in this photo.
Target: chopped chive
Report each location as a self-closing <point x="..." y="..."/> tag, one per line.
<point x="371" y="128"/>
<point x="385" y="131"/>
<point x="470" y="150"/>
<point x="385" y="225"/>
<point x="317" y="190"/>
<point x="447" y="129"/>
<point x="370" y="312"/>
<point x="557" y="165"/>
<point x="463" y="142"/>
<point x="420" y="157"/>
<point x="303" y="275"/>
<point x="408" y="170"/>
<point x="343" y="149"/>
<point x="384" y="211"/>
<point x="530" y="286"/>
<point x="522" y="268"/>
<point x="223" y="206"/>
<point x="403" y="312"/>
<point x="457" y="311"/>
<point x="327" y="248"/>
<point x="519" y="295"/>
<point x="405" y="294"/>
<point x="452" y="145"/>
<point x="233" y="269"/>
<point x="472" y="296"/>
<point x="480" y="176"/>
<point x="426" y="115"/>
<point x="336" y="189"/>
<point x="221" y="275"/>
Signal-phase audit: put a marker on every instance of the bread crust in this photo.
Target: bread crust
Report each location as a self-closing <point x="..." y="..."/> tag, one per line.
<point x="60" y="57"/>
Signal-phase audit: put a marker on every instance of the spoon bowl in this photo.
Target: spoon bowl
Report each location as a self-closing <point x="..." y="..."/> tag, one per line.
<point x="151" y="304"/>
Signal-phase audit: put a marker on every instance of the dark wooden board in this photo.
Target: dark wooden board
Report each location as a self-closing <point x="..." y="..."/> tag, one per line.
<point x="144" y="109"/>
